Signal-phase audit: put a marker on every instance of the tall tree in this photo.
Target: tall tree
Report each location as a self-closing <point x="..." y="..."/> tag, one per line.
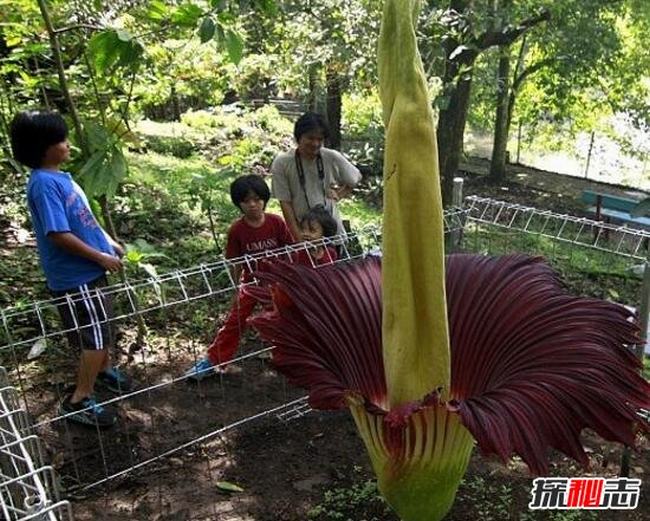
<point x="469" y="30"/>
<point x="324" y="49"/>
<point x="572" y="51"/>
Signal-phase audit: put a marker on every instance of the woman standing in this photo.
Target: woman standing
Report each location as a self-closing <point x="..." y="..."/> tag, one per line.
<point x="311" y="175"/>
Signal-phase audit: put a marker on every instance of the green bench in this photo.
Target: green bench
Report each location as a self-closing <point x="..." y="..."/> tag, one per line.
<point x="615" y="209"/>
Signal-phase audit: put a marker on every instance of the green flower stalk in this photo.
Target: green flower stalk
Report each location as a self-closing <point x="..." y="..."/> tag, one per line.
<point x="435" y="355"/>
<point x="420" y="477"/>
<point x="416" y="340"/>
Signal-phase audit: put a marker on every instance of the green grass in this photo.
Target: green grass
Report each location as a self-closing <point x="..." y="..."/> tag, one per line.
<point x="165" y="199"/>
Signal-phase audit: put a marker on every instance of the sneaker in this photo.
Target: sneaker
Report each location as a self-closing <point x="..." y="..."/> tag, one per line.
<point x="203" y="369"/>
<point x="88" y="412"/>
<point x="115" y="381"/>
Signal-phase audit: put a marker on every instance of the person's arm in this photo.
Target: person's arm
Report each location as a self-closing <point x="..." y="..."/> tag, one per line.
<point x="347" y="177"/>
<point x="234" y="251"/>
<point x="290" y="219"/>
<point x="119" y="249"/>
<point x="72" y="244"/>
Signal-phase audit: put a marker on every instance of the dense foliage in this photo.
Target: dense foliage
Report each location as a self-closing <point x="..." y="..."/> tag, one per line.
<point x="572" y="66"/>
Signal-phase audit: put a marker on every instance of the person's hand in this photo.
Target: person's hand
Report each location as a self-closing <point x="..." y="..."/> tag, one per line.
<point x="110" y="263"/>
<point x="333" y="192"/>
<point x="119" y="249"/>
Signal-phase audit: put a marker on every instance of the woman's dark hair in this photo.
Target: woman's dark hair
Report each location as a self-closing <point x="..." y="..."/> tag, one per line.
<point x="33" y="132"/>
<point x="310" y="121"/>
<point x="320" y="215"/>
<point x="246" y="184"/>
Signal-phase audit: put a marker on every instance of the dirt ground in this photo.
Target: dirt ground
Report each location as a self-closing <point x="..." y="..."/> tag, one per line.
<point x="284" y="468"/>
<point x="310" y="467"/>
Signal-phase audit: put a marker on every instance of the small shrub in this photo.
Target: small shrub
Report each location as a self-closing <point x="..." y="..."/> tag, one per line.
<point x="179" y="147"/>
<point x="200" y="119"/>
<point x="361" y="501"/>
<point x="363" y="129"/>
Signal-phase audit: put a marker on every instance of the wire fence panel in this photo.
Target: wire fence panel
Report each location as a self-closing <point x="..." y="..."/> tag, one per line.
<point x="165" y="417"/>
<point x="593" y="258"/>
<point x="28" y="487"/>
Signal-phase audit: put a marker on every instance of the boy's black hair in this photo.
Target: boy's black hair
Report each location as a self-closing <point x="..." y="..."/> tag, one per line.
<point x="32" y="132"/>
<point x="245" y="184"/>
<point x="310" y="121"/>
<point x="319" y="214"/>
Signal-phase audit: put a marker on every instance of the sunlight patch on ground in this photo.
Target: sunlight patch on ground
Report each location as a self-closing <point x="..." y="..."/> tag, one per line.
<point x="608" y="162"/>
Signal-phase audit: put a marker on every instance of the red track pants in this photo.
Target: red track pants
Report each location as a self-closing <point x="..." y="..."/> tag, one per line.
<point x="225" y="344"/>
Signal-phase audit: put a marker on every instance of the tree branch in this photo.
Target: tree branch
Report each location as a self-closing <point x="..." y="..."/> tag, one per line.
<point x="519" y="80"/>
<point x="78" y="26"/>
<point x="491" y="38"/>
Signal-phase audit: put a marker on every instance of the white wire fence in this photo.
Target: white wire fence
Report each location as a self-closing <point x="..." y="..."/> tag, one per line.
<point x="28" y="487"/>
<point x="165" y="416"/>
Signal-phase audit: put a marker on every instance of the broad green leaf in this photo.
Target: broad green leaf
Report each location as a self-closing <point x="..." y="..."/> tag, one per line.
<point x="104" y="47"/>
<point x="218" y="4"/>
<point x="122" y="132"/>
<point x="206" y="29"/>
<point x="130" y="53"/>
<point x="227" y="486"/>
<point x="234" y="46"/>
<point x="96" y="135"/>
<point x="119" y="167"/>
<point x="187" y="15"/>
<point x="132" y="256"/>
<point x="91" y="173"/>
<point x="158" y="11"/>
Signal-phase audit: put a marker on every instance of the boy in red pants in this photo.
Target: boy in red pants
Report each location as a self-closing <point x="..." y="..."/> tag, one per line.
<point x="254" y="232"/>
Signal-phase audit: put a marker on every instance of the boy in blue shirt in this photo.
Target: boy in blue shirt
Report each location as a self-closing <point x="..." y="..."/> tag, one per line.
<point x="75" y="254"/>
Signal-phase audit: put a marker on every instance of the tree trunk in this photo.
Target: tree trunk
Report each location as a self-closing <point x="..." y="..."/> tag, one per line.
<point x="451" y="129"/>
<point x="176" y="108"/>
<point x="63" y="82"/>
<point x="312" y="100"/>
<point x="334" y="108"/>
<point x="502" y="124"/>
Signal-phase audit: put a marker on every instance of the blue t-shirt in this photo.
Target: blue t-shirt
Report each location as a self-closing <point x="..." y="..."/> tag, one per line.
<point x="58" y="204"/>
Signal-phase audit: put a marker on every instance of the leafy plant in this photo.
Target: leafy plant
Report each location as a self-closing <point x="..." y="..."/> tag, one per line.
<point x="363" y="128"/>
<point x="211" y="193"/>
<point x="346" y="503"/>
<point x="177" y="146"/>
<point x="138" y="253"/>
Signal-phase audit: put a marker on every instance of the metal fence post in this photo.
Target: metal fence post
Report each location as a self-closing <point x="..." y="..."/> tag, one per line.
<point x="644" y="311"/>
<point x="456" y="222"/>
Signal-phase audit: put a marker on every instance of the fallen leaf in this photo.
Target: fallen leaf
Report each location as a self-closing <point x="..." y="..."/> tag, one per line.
<point x="37" y="349"/>
<point x="227" y="486"/>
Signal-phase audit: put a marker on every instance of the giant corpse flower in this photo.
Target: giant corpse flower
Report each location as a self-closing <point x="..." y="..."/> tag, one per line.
<point x="435" y="355"/>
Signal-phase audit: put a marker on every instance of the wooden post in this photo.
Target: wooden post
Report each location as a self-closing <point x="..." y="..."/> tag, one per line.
<point x="591" y="147"/>
<point x="457" y="194"/>
<point x="456" y="235"/>
<point x="519" y="145"/>
<point x="644" y="312"/>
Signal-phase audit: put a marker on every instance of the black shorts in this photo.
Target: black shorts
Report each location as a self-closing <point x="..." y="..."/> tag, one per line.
<point x="86" y="313"/>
